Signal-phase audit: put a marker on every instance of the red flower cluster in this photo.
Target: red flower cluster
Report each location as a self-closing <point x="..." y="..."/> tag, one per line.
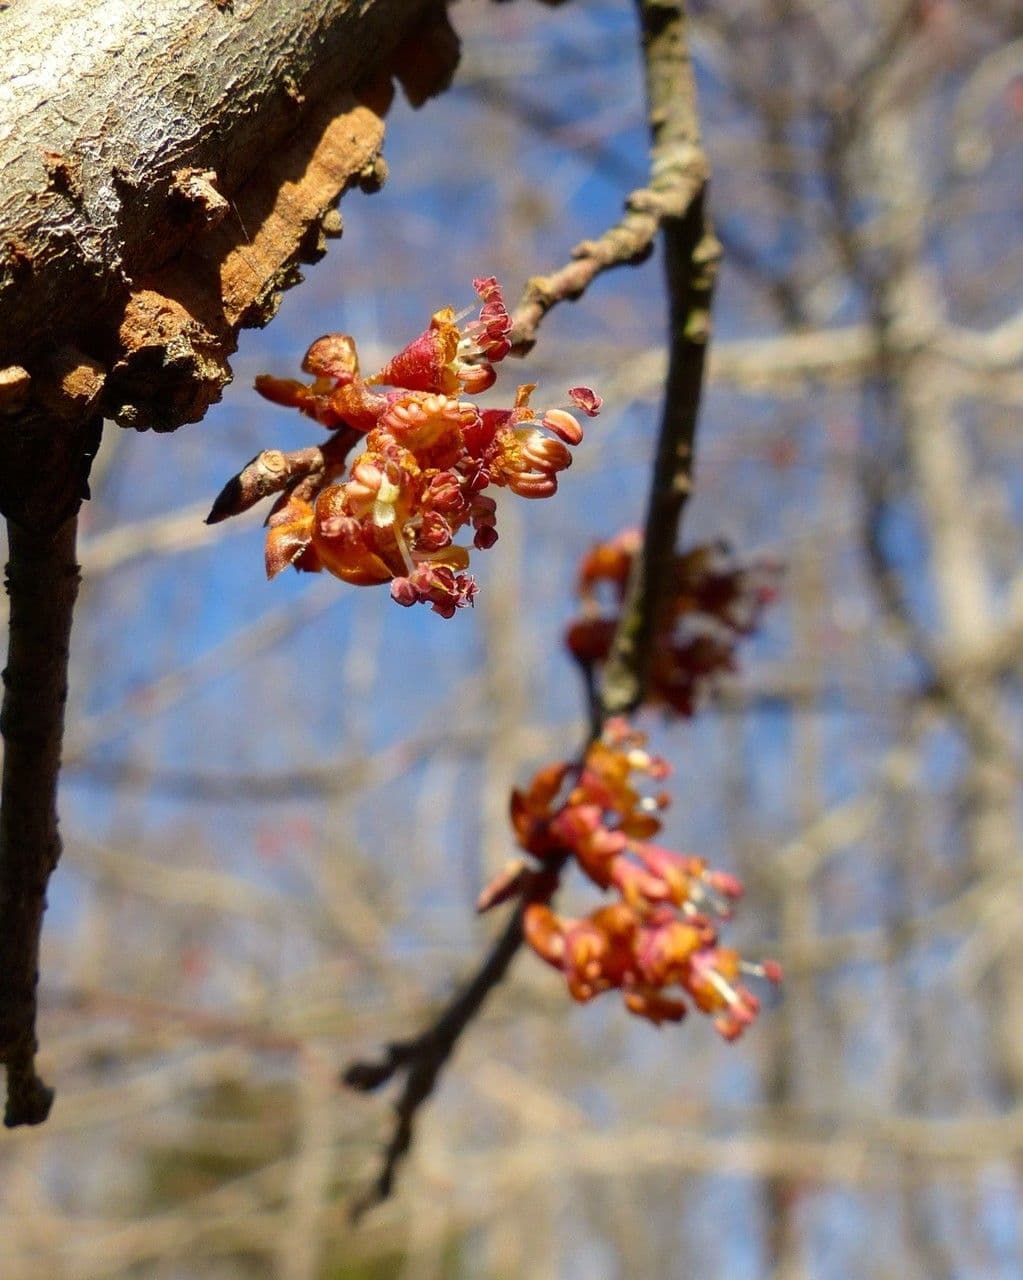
<point x="715" y="599"/>
<point x="658" y="942"/>
<point x="428" y="457"/>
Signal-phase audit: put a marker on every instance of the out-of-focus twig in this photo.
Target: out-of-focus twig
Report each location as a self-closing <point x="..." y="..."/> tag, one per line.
<point x="678" y="175"/>
<point x="691" y="257"/>
<point x="172" y="686"/>
<point x="169" y="534"/>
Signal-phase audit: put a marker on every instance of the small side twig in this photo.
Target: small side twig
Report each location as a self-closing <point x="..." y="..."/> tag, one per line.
<point x="674" y="202"/>
<point x="42" y="582"/>
<point x="678" y="175"/>
<point x="424" y="1057"/>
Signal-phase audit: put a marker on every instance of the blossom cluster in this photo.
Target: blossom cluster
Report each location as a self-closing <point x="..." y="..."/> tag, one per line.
<point x="428" y="457"/>
<point x="658" y="941"/>
<point x="713" y="600"/>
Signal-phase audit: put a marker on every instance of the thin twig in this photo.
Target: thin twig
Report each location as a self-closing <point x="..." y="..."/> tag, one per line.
<point x="691" y="258"/>
<point x="678" y="175"/>
<point x="273" y="471"/>
<point x="423" y="1058"/>
<point x="674" y="202"/>
<point x="42" y="582"/>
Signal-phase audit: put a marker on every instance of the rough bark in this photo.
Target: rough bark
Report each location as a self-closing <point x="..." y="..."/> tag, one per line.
<point x="167" y="163"/>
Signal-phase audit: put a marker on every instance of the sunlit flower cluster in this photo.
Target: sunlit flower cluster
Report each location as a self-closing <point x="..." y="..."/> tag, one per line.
<point x="427" y="458"/>
<point x="714" y="600"/>
<point x="657" y="942"/>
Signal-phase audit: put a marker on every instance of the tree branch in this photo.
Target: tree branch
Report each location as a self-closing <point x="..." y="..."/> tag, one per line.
<point x="678" y="175"/>
<point x="674" y="202"/>
<point x="423" y="1058"/>
<point x="691" y="258"/>
<point x="42" y="582"/>
<point x="167" y="165"/>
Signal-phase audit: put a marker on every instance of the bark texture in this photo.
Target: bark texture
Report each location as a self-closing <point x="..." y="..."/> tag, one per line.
<point x="167" y="163"/>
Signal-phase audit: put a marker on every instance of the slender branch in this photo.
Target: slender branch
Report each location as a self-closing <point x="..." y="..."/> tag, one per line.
<point x="691" y="257"/>
<point x="42" y="582"/>
<point x="673" y="202"/>
<point x="424" y="1057"/>
<point x="678" y="175"/>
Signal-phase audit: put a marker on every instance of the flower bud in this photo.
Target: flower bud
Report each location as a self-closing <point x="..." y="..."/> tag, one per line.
<point x="333" y="356"/>
<point x="403" y="592"/>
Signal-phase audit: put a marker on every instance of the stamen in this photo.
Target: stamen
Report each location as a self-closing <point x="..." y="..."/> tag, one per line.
<point x="720" y="906"/>
<point x="399" y="538"/>
<point x="724" y="990"/>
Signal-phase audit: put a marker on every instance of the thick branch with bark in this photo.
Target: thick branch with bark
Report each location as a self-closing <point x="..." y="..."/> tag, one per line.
<point x="167" y="164"/>
<point x="679" y="171"/>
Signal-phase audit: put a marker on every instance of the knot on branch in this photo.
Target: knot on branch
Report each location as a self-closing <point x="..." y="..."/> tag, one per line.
<point x="15" y="385"/>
